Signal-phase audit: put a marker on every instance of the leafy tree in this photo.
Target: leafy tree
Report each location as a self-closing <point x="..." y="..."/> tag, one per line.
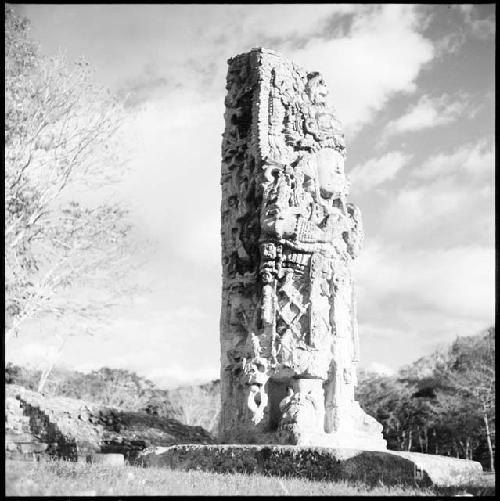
<point x="191" y="405"/>
<point x="65" y="258"/>
<point x="15" y="374"/>
<point x="470" y="375"/>
<point x="441" y="404"/>
<point x="120" y="388"/>
<point x="384" y="398"/>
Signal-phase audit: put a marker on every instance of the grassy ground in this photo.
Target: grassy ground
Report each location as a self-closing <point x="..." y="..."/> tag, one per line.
<point x="59" y="478"/>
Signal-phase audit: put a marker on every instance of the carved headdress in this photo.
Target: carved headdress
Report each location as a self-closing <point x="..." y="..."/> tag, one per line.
<point x="320" y="118"/>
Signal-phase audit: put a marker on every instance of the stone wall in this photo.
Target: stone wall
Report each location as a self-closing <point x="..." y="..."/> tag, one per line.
<point x="75" y="430"/>
<point x="59" y="429"/>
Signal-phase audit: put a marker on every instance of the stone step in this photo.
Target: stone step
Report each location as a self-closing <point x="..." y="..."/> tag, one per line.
<point x="11" y="422"/>
<point x="19" y="456"/>
<point x="34" y="447"/>
<point x="19" y="437"/>
<point x="26" y="447"/>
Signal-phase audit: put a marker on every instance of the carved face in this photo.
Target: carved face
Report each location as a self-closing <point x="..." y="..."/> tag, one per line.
<point x="317" y="90"/>
<point x="331" y="172"/>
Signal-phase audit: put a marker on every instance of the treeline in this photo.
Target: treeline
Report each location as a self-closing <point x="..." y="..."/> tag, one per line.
<point x="441" y="404"/>
<point x="110" y="387"/>
<point x="191" y="405"/>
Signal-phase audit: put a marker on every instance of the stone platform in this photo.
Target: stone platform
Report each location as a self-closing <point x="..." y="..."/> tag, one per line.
<point x="316" y="463"/>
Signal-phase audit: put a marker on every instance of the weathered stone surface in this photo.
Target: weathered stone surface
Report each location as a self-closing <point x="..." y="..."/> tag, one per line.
<point x="54" y="422"/>
<point x="75" y="430"/>
<point x="444" y="470"/>
<point x="289" y="343"/>
<point x="318" y="463"/>
<point x="109" y="459"/>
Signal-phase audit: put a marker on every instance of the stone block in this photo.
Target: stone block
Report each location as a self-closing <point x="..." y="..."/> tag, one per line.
<point x="10" y="446"/>
<point x="28" y="448"/>
<point x="110" y="459"/>
<point x="318" y="463"/>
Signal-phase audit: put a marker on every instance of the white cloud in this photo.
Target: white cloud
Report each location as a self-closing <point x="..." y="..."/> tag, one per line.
<point x="475" y="160"/>
<point x="379" y="368"/>
<point x="457" y="281"/>
<point x="280" y="20"/>
<point x="446" y="212"/>
<point x="173" y="185"/>
<point x="428" y="112"/>
<point x="377" y="171"/>
<point x="175" y="374"/>
<point x="177" y="331"/>
<point x="381" y="56"/>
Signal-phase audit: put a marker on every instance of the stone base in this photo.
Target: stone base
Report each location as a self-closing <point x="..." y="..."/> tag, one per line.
<point x="347" y="440"/>
<point x="342" y="439"/>
<point x="318" y="463"/>
<point x="355" y="430"/>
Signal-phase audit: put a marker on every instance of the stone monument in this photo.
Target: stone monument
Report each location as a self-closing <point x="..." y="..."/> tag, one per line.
<point x="289" y="341"/>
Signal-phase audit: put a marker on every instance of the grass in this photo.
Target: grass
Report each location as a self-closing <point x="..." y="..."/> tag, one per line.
<point x="61" y="478"/>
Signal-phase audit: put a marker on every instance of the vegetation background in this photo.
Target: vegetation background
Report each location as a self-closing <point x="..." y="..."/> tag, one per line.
<point x="441" y="404"/>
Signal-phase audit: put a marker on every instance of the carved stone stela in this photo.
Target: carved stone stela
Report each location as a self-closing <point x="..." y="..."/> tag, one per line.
<point x="289" y="343"/>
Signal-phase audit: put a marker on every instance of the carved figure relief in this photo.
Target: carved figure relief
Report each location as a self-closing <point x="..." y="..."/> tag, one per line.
<point x="289" y="344"/>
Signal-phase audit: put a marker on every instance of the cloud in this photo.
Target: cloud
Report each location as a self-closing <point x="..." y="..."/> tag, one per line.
<point x="446" y="212"/>
<point x="142" y="89"/>
<point x="177" y="375"/>
<point x="379" y="368"/>
<point x="382" y="55"/>
<point x="377" y="171"/>
<point x="465" y="23"/>
<point x="291" y="21"/>
<point x="411" y="335"/>
<point x="474" y="160"/>
<point x="450" y="43"/>
<point x="381" y="44"/>
<point x="178" y="341"/>
<point x="456" y="281"/>
<point x="446" y="201"/>
<point x="484" y="28"/>
<point x="410" y="299"/>
<point x="176" y="169"/>
<point x="428" y="112"/>
<point x="378" y="52"/>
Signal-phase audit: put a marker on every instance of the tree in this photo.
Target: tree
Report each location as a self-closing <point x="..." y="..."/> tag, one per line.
<point x="441" y="404"/>
<point x="66" y="254"/>
<point x="120" y="388"/>
<point x="389" y="402"/>
<point x="470" y="374"/>
<point x="191" y="405"/>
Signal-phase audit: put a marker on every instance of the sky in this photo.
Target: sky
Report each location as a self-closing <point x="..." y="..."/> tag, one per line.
<point x="414" y="88"/>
